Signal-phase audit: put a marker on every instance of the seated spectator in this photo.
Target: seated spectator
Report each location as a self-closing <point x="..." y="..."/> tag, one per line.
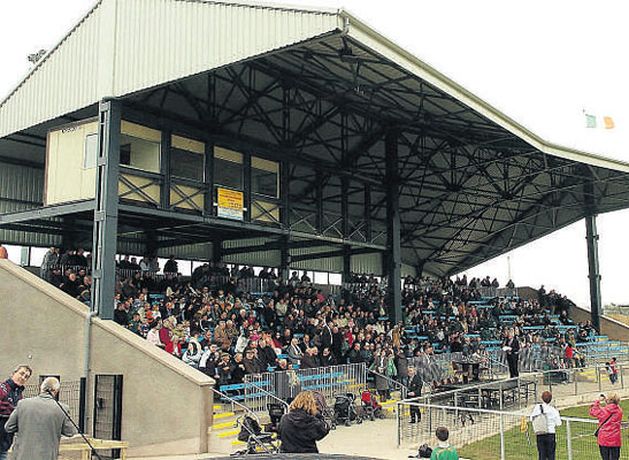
<point x="310" y="359"/>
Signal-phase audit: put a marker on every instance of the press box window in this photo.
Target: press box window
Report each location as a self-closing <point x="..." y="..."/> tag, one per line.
<point x="140" y="147"/>
<point x="187" y="158"/>
<point x="228" y="168"/>
<point x="265" y="177"/>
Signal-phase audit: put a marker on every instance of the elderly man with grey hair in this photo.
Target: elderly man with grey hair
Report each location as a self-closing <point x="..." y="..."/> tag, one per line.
<point x="39" y="423"/>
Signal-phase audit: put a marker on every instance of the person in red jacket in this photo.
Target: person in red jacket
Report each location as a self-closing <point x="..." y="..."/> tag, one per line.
<point x="609" y="418"/>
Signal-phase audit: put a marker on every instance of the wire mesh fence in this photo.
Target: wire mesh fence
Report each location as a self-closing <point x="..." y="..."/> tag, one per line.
<point x="69" y="394"/>
<point x="496" y="435"/>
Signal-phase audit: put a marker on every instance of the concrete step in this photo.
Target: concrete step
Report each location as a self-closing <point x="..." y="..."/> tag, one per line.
<point x="223" y="425"/>
<point x="224" y="415"/>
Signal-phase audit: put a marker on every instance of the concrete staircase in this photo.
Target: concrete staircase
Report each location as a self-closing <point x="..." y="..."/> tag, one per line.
<point x="225" y="428"/>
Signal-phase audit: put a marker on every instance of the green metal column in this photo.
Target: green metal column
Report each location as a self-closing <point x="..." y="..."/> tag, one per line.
<point x="394" y="254"/>
<point x="284" y="258"/>
<point x="106" y="209"/>
<point x="594" y="271"/>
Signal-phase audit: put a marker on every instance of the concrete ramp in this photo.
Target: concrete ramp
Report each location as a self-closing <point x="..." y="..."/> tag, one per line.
<point x="166" y="405"/>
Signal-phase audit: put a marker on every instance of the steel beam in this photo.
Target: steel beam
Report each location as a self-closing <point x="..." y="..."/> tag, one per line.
<point x="47" y="212"/>
<point x="106" y="209"/>
<point x="394" y="253"/>
<point x="594" y="270"/>
<point x="328" y="254"/>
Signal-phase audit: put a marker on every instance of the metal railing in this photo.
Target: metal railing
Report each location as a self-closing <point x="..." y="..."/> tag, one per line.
<point x="394" y="385"/>
<point x="225" y="399"/>
<point x="520" y="392"/>
<point x="496" y="435"/>
<point x="260" y="389"/>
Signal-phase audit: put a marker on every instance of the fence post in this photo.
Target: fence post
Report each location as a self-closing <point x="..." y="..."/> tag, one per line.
<point x="568" y="440"/>
<point x="399" y="423"/>
<point x="622" y="380"/>
<point x="598" y="378"/>
<point x="500" y="395"/>
<point x="82" y="403"/>
<point x="576" y="385"/>
<point x="502" y="437"/>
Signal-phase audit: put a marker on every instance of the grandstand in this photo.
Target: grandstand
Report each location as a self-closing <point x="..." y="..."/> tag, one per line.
<point x="311" y="148"/>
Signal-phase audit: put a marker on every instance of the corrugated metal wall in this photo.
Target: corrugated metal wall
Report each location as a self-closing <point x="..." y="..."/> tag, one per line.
<point x="164" y="40"/>
<point x="269" y="258"/>
<point x="22" y="188"/>
<point x="407" y="270"/>
<point x="367" y="263"/>
<point x="330" y="264"/>
<point x="63" y="82"/>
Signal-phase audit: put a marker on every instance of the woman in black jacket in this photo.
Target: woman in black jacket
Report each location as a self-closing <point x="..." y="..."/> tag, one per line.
<point x="302" y="426"/>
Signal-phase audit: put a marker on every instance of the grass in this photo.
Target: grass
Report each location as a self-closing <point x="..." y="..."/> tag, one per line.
<point x="521" y="444"/>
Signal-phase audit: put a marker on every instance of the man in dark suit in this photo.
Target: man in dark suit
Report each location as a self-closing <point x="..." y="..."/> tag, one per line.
<point x="512" y="348"/>
<point x="414" y="390"/>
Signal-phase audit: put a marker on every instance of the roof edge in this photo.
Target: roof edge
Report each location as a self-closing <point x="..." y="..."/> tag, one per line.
<point x="49" y="53"/>
<point x="378" y="42"/>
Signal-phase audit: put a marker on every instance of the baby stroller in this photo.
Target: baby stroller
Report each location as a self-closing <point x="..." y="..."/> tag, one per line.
<point x="256" y="439"/>
<point x="276" y="410"/>
<point x="324" y="410"/>
<point x="345" y="410"/>
<point x="370" y="405"/>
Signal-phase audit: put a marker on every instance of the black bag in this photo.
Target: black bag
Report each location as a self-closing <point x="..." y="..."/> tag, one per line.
<point x="424" y="451"/>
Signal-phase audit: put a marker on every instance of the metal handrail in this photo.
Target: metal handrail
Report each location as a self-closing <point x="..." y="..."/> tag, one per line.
<point x="236" y="403"/>
<point x="403" y="388"/>
<point x="268" y="393"/>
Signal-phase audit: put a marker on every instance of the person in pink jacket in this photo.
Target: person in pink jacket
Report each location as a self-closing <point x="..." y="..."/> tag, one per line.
<point x="609" y="415"/>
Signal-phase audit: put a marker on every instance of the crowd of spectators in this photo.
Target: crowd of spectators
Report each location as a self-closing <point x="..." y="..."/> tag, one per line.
<point x="214" y="323"/>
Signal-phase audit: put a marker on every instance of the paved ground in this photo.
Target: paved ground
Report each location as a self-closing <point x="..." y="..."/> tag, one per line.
<point x="374" y="439"/>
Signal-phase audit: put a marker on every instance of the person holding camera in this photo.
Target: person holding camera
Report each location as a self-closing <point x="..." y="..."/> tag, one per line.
<point x="545" y="419"/>
<point x="609" y="414"/>
<point x="303" y="426"/>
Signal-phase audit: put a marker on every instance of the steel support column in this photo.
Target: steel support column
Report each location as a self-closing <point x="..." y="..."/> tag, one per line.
<point x="106" y="209"/>
<point x="209" y="179"/>
<point x="394" y="254"/>
<point x="594" y="272"/>
<point x="319" y="201"/>
<point x="284" y="258"/>
<point x="165" y="168"/>
<point x="347" y="263"/>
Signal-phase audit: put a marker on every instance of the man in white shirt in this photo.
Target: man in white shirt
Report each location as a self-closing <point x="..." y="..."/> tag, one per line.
<point x="545" y="426"/>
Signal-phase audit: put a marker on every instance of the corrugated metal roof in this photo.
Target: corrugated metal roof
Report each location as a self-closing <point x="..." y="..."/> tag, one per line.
<point x="124" y="46"/>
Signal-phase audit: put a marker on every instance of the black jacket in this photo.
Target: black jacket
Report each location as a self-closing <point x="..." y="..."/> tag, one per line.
<point x="299" y="431"/>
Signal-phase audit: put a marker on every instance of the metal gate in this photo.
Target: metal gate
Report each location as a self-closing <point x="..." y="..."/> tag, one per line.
<point x="108" y="410"/>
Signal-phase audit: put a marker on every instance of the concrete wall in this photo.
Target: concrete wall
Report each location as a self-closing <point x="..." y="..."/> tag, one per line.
<point x="166" y="404"/>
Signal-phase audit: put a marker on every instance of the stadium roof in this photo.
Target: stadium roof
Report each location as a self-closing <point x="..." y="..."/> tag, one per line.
<point x="473" y="182"/>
